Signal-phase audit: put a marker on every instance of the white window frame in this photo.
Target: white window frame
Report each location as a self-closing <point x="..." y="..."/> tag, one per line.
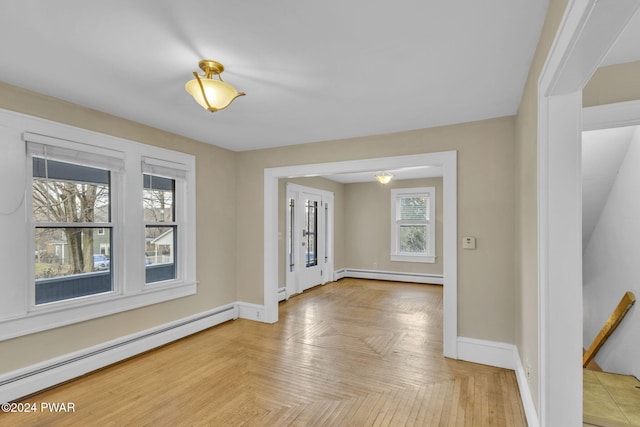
<point x="396" y="195"/>
<point x="18" y="313"/>
<point x="177" y="172"/>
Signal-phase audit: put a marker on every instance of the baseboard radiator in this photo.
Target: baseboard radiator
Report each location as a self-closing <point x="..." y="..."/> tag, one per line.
<point x="397" y="276"/>
<point x="31" y="379"/>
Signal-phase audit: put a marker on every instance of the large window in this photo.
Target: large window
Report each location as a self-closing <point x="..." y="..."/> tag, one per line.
<point x="413" y="224"/>
<point x="73" y="229"/>
<point x="104" y="225"/>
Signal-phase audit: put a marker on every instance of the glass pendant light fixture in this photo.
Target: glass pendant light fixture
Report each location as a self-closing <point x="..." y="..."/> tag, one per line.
<point x="212" y="94"/>
<point x="384" y="177"/>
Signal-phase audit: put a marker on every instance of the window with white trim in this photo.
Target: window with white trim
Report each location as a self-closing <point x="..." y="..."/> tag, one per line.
<point x="81" y="253"/>
<point x="161" y="228"/>
<point x="413" y="224"/>
<point x="72" y="218"/>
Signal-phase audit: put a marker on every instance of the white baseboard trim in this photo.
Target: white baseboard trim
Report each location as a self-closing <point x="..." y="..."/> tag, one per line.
<point x="397" y="276"/>
<point x="525" y="392"/>
<point x="282" y="293"/>
<point x="486" y="352"/>
<point x="31" y="379"/>
<point x="339" y="274"/>
<point x="505" y="356"/>
<point x="249" y="311"/>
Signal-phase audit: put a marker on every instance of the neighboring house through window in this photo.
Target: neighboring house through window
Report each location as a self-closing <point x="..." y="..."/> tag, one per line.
<point x="161" y="228"/>
<point x="413" y="224"/>
<point x="91" y="249"/>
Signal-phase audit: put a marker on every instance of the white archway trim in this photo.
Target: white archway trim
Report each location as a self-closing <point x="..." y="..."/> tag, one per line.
<point x="615" y="115"/>
<point x="588" y="30"/>
<point x="447" y="160"/>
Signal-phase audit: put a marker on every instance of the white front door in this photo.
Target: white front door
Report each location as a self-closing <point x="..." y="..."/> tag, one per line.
<point x="311" y="241"/>
<point x="309" y="238"/>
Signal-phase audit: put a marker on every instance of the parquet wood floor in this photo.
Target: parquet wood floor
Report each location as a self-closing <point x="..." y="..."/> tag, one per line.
<point x="350" y="353"/>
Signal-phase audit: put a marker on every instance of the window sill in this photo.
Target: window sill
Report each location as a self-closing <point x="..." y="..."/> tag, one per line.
<point x="427" y="259"/>
<point x="41" y="320"/>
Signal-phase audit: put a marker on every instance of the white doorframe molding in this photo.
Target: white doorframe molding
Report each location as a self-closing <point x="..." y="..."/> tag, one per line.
<point x="448" y="161"/>
<point x="609" y="116"/>
<point x="292" y="281"/>
<point x="588" y="30"/>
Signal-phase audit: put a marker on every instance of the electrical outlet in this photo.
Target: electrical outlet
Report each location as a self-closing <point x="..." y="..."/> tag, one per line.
<point x="257" y="314"/>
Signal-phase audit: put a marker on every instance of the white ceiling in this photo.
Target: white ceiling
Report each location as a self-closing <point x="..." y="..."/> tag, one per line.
<point x="312" y="71"/>
<point x="414" y="172"/>
<point x="626" y="48"/>
<point x="602" y="154"/>
<point x="603" y="150"/>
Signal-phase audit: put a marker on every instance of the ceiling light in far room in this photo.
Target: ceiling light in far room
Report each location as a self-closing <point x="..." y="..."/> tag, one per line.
<point x="212" y="94"/>
<point x="384" y="177"/>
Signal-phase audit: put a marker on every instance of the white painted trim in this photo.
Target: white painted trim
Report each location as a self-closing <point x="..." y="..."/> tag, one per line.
<point x="425" y="259"/>
<point x="397" y="276"/>
<point x="339" y="274"/>
<point x="587" y="31"/>
<point x="396" y="194"/>
<point x="18" y="313"/>
<point x="501" y="355"/>
<point x="28" y="380"/>
<point x="41" y="321"/>
<point x="611" y="115"/>
<point x="447" y="160"/>
<point x="525" y="392"/>
<point x="485" y="352"/>
<point x="251" y="311"/>
<point x="293" y="278"/>
<point x="282" y="293"/>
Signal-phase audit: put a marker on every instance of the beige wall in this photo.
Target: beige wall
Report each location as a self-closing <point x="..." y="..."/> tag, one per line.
<point x="485" y="210"/>
<point x="338" y="219"/>
<point x="368" y="226"/>
<point x="362" y="239"/>
<point x="216" y="194"/>
<point x="526" y="203"/>
<point x="615" y="83"/>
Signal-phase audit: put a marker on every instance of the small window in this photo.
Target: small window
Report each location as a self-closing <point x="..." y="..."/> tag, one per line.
<point x="413" y="224"/>
<point x="72" y="218"/>
<point x="161" y="229"/>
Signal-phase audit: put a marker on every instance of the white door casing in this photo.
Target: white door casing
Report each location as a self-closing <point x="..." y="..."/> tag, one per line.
<point x="447" y="160"/>
<point x="587" y="31"/>
<point x="308" y="266"/>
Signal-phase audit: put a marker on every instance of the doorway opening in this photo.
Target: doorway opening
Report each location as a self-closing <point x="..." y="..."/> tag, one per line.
<point x="309" y="238"/>
<point x="446" y="160"/>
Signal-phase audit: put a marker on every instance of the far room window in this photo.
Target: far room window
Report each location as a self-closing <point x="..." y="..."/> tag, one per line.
<point x="73" y="230"/>
<point x="413" y="224"/>
<point x="161" y="228"/>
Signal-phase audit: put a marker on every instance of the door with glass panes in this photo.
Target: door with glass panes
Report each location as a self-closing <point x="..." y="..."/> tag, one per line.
<point x="309" y="218"/>
<point x="311" y="247"/>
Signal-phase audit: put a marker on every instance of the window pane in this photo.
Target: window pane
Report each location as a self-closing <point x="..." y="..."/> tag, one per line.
<point x="71" y="262"/>
<point x="64" y="192"/>
<point x="311" y="228"/>
<point x="160" y="253"/>
<point x="158" y="199"/>
<point x="413" y="239"/>
<point x="413" y="208"/>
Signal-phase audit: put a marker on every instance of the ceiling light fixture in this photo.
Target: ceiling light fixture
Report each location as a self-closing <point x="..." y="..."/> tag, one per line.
<point x="384" y="177"/>
<point x="212" y="94"/>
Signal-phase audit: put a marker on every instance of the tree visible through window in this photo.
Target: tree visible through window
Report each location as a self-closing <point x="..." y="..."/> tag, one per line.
<point x="161" y="228"/>
<point x="412" y="228"/>
<point x="71" y="204"/>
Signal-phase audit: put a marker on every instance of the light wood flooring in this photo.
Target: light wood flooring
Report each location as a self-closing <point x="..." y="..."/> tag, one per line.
<point x="350" y="353"/>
